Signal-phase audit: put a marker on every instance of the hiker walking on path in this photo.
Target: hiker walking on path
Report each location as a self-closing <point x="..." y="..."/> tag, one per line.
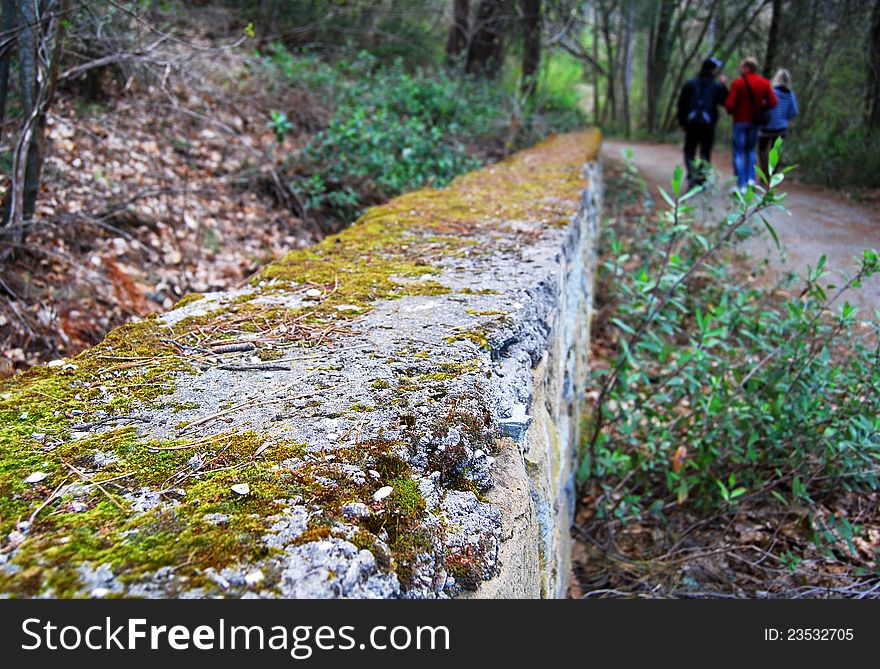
<point x="777" y="127"/>
<point x="749" y="101"/>
<point x="698" y="116"/>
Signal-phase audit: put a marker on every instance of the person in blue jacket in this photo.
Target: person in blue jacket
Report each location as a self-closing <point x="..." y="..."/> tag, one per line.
<point x="777" y="125"/>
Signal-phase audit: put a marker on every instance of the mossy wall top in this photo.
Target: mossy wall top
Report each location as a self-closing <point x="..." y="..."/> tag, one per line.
<point x="327" y="430"/>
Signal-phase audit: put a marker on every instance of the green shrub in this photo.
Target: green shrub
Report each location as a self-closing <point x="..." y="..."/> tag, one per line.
<point x="848" y="156"/>
<point x="722" y="390"/>
<point x="393" y="130"/>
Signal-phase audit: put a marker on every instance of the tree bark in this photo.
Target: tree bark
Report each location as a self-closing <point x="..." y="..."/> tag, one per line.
<point x="486" y="50"/>
<point x="773" y="37"/>
<point x="612" y="56"/>
<point x="658" y="59"/>
<point x="873" y="96"/>
<point x="7" y="38"/>
<point x="531" y="57"/>
<point x="37" y="152"/>
<point x="596" y="106"/>
<point x="458" y="31"/>
<point x="628" y="21"/>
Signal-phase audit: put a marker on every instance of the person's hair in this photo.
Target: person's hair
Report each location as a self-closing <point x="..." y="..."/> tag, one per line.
<point x="782" y="78"/>
<point x="750" y="63"/>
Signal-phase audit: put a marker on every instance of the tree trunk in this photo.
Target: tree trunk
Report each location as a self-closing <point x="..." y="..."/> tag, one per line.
<point x="773" y="37"/>
<point x="531" y="57"/>
<point x="873" y="96"/>
<point x="628" y="20"/>
<point x="458" y="31"/>
<point x="25" y="149"/>
<point x="35" y="156"/>
<point x="608" y="30"/>
<point x="658" y="59"/>
<point x="7" y="39"/>
<point x="28" y="37"/>
<point x="486" y="50"/>
<point x="596" y="117"/>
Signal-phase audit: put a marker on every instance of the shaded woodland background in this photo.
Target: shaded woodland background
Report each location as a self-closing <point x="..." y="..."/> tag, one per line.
<point x="151" y="149"/>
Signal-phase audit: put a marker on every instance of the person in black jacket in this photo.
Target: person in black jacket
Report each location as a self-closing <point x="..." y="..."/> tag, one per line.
<point x="698" y="114"/>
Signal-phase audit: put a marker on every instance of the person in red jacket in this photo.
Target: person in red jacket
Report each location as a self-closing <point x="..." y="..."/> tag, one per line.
<point x="750" y="97"/>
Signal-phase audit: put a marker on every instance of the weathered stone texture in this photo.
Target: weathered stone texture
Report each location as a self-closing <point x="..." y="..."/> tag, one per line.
<point x="393" y="437"/>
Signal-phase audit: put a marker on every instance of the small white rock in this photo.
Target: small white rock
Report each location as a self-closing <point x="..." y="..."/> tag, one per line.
<point x="356" y="510"/>
<point x="23" y="416"/>
<point x="241" y="488"/>
<point x="100" y="593"/>
<point x="313" y="293"/>
<point x="36" y="477"/>
<point x="78" y="507"/>
<point x="15" y="538"/>
<point x="254" y="577"/>
<point x="372" y="472"/>
<point x="382" y="493"/>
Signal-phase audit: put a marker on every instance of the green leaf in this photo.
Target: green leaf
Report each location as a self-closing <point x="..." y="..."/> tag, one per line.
<point x="677" y="178"/>
<point x="666" y="196"/>
<point x="779" y="497"/>
<point x="773" y="159"/>
<point x="772" y="232"/>
<point x="623" y="326"/>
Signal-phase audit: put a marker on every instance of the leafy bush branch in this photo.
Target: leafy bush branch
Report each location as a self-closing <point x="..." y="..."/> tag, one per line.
<point x="722" y="390"/>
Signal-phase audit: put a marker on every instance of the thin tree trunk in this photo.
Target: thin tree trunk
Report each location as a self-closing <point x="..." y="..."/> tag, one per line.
<point x="531" y="57"/>
<point x="7" y="39"/>
<point x="873" y="96"/>
<point x="596" y="118"/>
<point x="668" y="122"/>
<point x="486" y="50"/>
<point x="457" y="44"/>
<point x="713" y="27"/>
<point x="29" y="43"/>
<point x="24" y="149"/>
<point x="628" y="19"/>
<point x="35" y="156"/>
<point x="612" y="54"/>
<point x="658" y="60"/>
<point x="773" y="37"/>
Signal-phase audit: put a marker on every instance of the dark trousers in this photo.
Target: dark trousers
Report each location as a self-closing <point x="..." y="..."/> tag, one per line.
<point x="702" y="137"/>
<point x="766" y="140"/>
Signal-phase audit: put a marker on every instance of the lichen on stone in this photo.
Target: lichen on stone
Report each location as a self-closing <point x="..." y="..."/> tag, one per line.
<point x="237" y="444"/>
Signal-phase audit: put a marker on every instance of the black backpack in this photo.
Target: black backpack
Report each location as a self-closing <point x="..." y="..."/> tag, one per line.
<point x="702" y="103"/>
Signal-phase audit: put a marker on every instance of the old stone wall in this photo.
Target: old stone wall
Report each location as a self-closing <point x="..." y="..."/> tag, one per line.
<point x="391" y="413"/>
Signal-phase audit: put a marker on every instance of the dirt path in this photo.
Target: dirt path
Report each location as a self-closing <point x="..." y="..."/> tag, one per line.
<point x="818" y="221"/>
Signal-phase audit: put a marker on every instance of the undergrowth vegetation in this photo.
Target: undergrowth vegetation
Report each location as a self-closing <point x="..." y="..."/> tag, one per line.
<point x="722" y="393"/>
<point x="393" y="129"/>
<point x="837" y="155"/>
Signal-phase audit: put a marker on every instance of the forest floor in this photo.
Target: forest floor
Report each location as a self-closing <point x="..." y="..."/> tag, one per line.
<point x="817" y="222"/>
<point x="743" y="551"/>
<point x="158" y="187"/>
<point x="148" y="194"/>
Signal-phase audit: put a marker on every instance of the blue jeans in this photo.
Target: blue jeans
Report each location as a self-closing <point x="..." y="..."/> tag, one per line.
<point x="745" y="141"/>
